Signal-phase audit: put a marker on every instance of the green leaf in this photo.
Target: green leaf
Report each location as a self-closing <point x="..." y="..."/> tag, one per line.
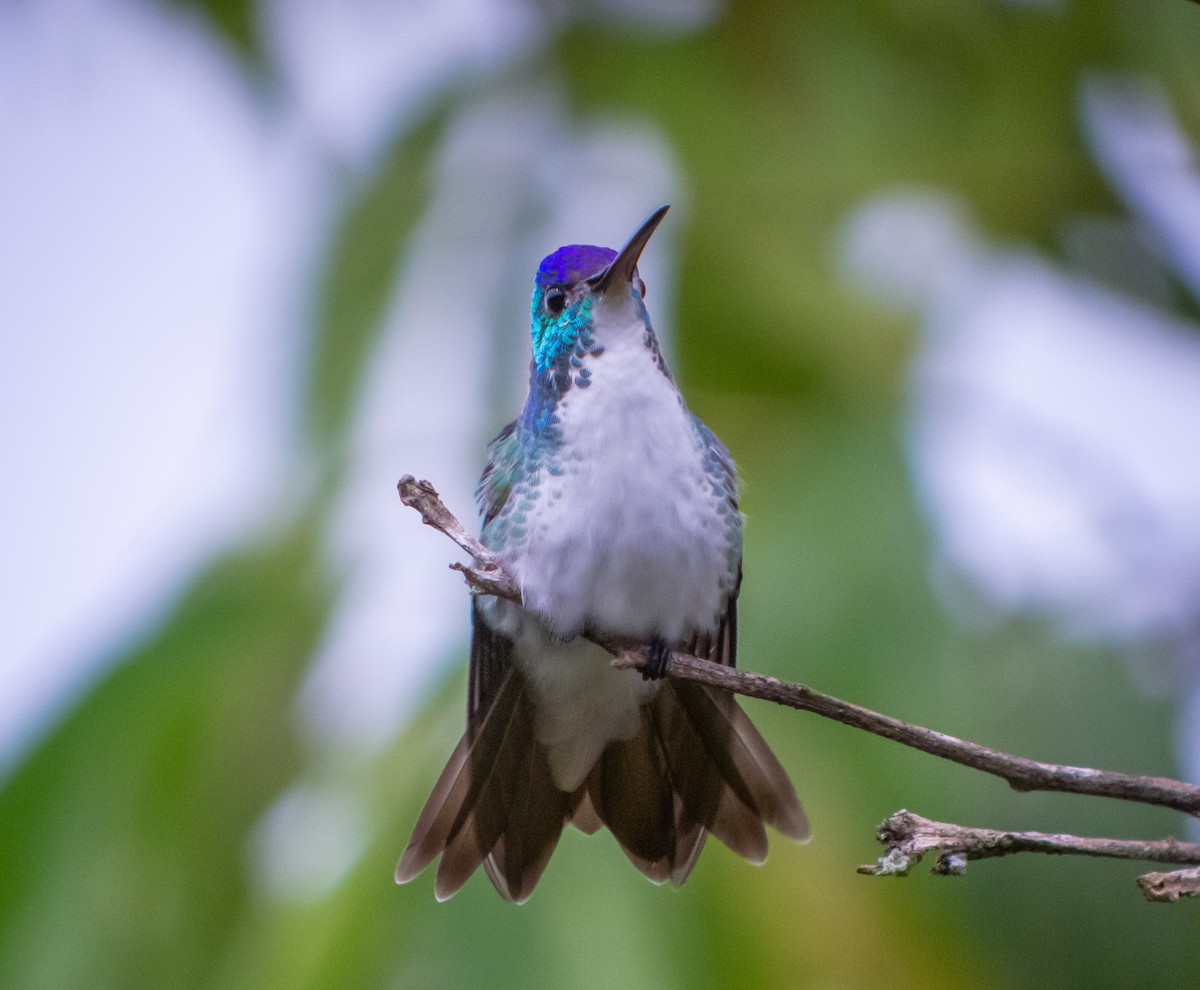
<point x="123" y="846"/>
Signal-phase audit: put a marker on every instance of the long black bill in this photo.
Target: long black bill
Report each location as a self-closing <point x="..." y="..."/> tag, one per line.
<point x="624" y="263"/>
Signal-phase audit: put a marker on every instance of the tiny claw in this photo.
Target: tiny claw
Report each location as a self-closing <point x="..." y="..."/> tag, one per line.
<point x="658" y="655"/>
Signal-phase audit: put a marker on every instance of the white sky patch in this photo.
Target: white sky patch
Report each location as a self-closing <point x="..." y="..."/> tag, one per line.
<point x="666" y="17"/>
<point x="145" y="231"/>
<point x="359" y="70"/>
<point x="307" y="843"/>
<point x="1053" y="431"/>
<point x="1150" y="163"/>
<point x="1054" y="439"/>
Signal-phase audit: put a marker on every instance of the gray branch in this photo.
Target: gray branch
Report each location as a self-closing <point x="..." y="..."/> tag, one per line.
<point x="908" y="838"/>
<point x="487" y="575"/>
<point x="1170" y="886"/>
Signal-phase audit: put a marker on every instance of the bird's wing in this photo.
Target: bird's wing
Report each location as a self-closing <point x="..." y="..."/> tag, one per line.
<point x="505" y="459"/>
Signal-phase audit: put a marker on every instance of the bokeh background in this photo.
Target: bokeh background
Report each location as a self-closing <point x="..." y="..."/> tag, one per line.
<point x="932" y="272"/>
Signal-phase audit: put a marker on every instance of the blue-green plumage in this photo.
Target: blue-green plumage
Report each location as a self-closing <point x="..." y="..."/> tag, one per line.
<point x="616" y="511"/>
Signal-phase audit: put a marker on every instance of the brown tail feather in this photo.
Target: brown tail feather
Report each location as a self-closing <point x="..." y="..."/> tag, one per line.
<point x="583" y="813"/>
<point x="708" y="789"/>
<point x="689" y="843"/>
<point x="630" y="789"/>
<point x="494" y="801"/>
<point x="697" y="765"/>
<point x="432" y="831"/>
<point x="743" y="758"/>
<point x="478" y="821"/>
<point x="536" y="816"/>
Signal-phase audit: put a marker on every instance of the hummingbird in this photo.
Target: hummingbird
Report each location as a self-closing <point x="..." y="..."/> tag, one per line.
<point x="616" y="511"/>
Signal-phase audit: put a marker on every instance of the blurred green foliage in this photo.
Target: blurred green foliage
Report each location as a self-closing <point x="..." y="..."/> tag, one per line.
<point x="125" y="833"/>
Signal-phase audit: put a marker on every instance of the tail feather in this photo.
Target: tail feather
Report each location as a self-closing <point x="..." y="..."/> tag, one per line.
<point x="697" y="765"/>
<point x="689" y="843"/>
<point x="494" y="804"/>
<point x="583" y="813"/>
<point x="630" y="789"/>
<point x="432" y="831"/>
<point x="483" y="809"/>
<point x="535" y="821"/>
<point x="711" y="789"/>
<point x="740" y="829"/>
<point x="743" y="758"/>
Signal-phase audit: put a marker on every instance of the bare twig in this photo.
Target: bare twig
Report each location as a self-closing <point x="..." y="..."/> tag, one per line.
<point x="488" y="574"/>
<point x="1022" y="774"/>
<point x="906" y="836"/>
<point x="1170" y="886"/>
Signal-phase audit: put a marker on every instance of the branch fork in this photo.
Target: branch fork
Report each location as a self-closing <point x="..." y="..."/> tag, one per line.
<point x="908" y="838"/>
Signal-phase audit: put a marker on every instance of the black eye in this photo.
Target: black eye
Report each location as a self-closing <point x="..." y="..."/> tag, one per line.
<point x="556" y="301"/>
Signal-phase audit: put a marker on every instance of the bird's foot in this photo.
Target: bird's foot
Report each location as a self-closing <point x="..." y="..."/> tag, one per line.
<point x="658" y="654"/>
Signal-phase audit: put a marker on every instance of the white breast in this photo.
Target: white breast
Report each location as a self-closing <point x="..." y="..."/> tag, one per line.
<point x="628" y="539"/>
<point x="625" y="536"/>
